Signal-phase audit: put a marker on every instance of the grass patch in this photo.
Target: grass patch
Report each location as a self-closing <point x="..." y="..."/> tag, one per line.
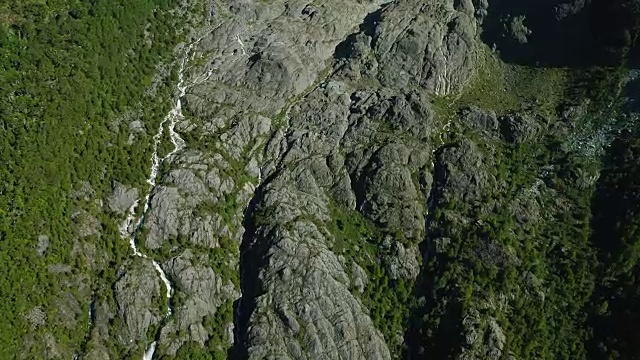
<point x="506" y="88"/>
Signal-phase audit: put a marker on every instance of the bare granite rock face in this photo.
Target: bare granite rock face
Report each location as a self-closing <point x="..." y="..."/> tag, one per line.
<point x="262" y="53"/>
<point x="429" y="44"/>
<point x="122" y="198"/>
<point x="390" y="195"/>
<point x="305" y="308"/>
<point x="136" y="290"/>
<point x="296" y="110"/>
<point x="201" y="292"/>
<point x="182" y="207"/>
<point x="335" y="142"/>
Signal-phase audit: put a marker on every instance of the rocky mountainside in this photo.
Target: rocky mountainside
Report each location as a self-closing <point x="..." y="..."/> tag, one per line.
<point x="355" y="179"/>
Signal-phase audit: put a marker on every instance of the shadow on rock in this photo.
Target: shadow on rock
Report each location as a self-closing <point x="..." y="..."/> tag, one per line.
<point x="563" y="33"/>
<point x="252" y="258"/>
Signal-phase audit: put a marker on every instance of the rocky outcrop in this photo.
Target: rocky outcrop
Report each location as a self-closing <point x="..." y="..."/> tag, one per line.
<point x="36" y="317"/>
<point x="518" y="129"/>
<point x="482" y="121"/>
<point x="401" y="262"/>
<point x="307" y="309"/>
<point x="200" y="293"/>
<point x="122" y="198"/>
<point x="390" y="197"/>
<point x="358" y="139"/>
<point x="43" y="244"/>
<point x="461" y="173"/>
<point x="431" y="45"/>
<point x="295" y="112"/>
<point x="194" y="183"/>
<point x="264" y="53"/>
<point x="138" y="295"/>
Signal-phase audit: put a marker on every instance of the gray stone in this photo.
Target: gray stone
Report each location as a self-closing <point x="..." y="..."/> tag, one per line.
<point x="518" y="128"/>
<point x="43" y="244"/>
<point x="319" y="300"/>
<point x="36" y="317"/>
<point x="85" y="224"/>
<point x="360" y="278"/>
<point x="300" y="127"/>
<point x="402" y="262"/>
<point x="461" y="172"/>
<point x="84" y="192"/>
<point x="201" y="291"/>
<point x="59" y="268"/>
<point x="122" y="198"/>
<point x="135" y="290"/>
<point x="271" y="52"/>
<point x="243" y="135"/>
<point x="136" y="126"/>
<point x="497" y="340"/>
<point x="481" y="120"/>
<point x="390" y="196"/>
<point x="427" y="44"/>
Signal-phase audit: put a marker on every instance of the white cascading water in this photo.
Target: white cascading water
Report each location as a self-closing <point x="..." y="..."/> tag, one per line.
<point x="148" y="355"/>
<point x="126" y="230"/>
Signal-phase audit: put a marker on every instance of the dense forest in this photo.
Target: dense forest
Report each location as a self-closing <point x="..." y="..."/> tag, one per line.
<point x="615" y="310"/>
<point x="71" y="72"/>
<point x="540" y="274"/>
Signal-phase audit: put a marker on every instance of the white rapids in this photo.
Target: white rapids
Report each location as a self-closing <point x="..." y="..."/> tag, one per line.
<point x="148" y="355"/>
<point x="130" y="226"/>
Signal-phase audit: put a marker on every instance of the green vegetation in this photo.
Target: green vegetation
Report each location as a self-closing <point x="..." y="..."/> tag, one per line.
<point x="71" y="72"/>
<point x="517" y="272"/>
<point x="389" y="301"/>
<point x="194" y="351"/>
<point x="615" y="312"/>
<point x="533" y="277"/>
<point x="505" y="87"/>
<point x="216" y="347"/>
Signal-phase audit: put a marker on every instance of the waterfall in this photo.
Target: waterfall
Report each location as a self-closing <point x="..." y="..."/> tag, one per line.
<point x="130" y="226"/>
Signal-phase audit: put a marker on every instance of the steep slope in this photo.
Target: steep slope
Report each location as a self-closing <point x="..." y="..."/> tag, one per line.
<point x="80" y="96"/>
<point x="353" y="179"/>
